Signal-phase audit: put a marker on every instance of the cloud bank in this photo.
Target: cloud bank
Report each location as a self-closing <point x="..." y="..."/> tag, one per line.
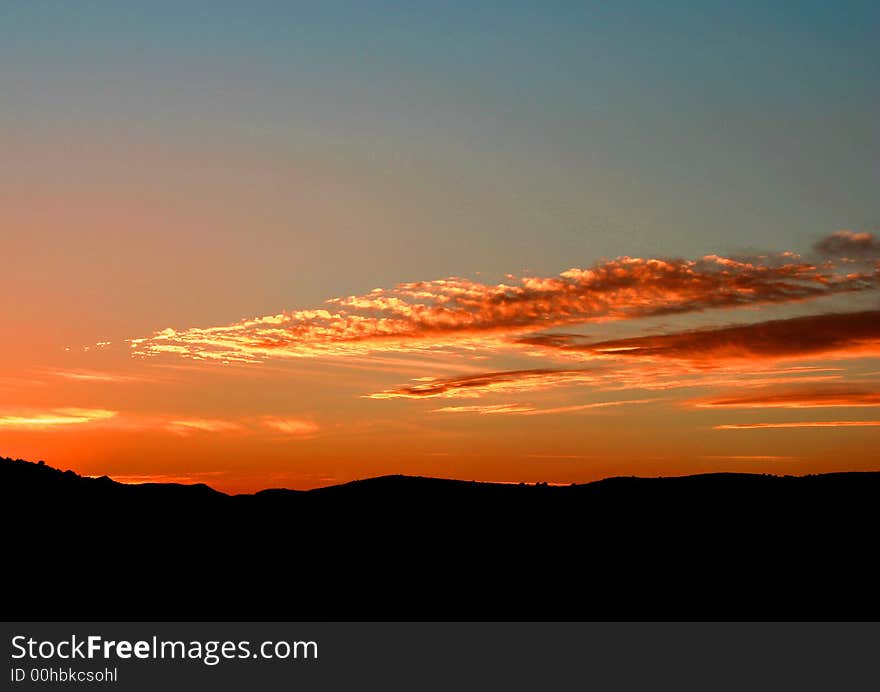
<point x="465" y="314"/>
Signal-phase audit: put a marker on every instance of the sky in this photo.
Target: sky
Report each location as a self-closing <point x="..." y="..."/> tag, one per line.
<point x="287" y="244"/>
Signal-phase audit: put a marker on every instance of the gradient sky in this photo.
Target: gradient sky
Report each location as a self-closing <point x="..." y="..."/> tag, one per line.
<point x="183" y="190"/>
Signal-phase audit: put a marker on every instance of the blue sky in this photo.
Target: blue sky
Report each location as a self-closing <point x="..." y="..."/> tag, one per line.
<point x="609" y="128"/>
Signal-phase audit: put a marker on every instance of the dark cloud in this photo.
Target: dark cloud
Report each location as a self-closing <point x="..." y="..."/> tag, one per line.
<point x="846" y="244"/>
<point x="855" y="334"/>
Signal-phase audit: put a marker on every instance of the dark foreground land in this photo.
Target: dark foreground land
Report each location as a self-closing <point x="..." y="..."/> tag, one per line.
<point x="717" y="546"/>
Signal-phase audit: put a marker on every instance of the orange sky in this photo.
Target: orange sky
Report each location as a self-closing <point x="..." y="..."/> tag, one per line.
<point x="628" y="366"/>
<point x="275" y="244"/>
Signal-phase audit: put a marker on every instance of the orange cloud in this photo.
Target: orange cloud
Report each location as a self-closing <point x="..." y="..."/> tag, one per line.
<point x="461" y="313"/>
<point x="140" y="479"/>
<point x="291" y="426"/>
<point x="840" y="335"/>
<point x="472" y="386"/>
<point x="750" y="457"/>
<point x="647" y="377"/>
<point x="826" y="397"/>
<point x="805" y="424"/>
<point x="485" y="410"/>
<point x="585" y="407"/>
<point x="56" y="417"/>
<point x="203" y="425"/>
<point x="521" y="410"/>
<point x="251" y="425"/>
<point x="96" y="376"/>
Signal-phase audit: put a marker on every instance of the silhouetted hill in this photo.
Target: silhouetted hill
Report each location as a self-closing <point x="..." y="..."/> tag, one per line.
<point x="713" y="546"/>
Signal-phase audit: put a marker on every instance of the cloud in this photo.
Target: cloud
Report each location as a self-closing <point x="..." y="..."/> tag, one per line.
<point x="846" y="244"/>
<point x="291" y="426"/>
<point x="586" y="407"/>
<point x="56" y="417"/>
<point x="523" y="410"/>
<point x="647" y="377"/>
<point x="804" y="424"/>
<point x="485" y="410"/>
<point x="472" y="386"/>
<point x="749" y="457"/>
<point x="458" y="313"/>
<point x="96" y="376"/>
<point x="140" y="479"/>
<point x="203" y="425"/>
<point x="838" y="335"/>
<point x="824" y="397"/>
<point x="301" y="427"/>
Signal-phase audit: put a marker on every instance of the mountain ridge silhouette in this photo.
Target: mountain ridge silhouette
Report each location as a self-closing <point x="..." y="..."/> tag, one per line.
<point x="709" y="546"/>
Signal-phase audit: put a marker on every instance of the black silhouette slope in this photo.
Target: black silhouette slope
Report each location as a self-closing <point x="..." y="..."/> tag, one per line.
<point x="714" y="546"/>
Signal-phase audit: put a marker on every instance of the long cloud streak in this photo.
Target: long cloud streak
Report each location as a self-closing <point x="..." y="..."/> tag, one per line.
<point x="834" y="396"/>
<point x="525" y="410"/>
<point x="604" y="379"/>
<point x="460" y="313"/>
<point x="840" y="335"/>
<point x="802" y="424"/>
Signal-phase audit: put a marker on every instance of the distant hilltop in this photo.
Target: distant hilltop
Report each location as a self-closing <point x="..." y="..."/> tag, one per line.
<point x="712" y="546"/>
<point x="45" y="478"/>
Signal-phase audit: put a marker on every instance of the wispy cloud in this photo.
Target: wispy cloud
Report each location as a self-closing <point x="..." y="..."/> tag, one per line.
<point x="485" y="410"/>
<point x="212" y="425"/>
<point x="575" y="408"/>
<point x="466" y="314"/>
<point x="802" y="424"/>
<point x="472" y="386"/>
<point x="291" y="426"/>
<point x="96" y="376"/>
<point x="185" y="478"/>
<point x="526" y="410"/>
<point x="55" y="417"/>
<point x="294" y="427"/>
<point x="644" y="377"/>
<point x="570" y="457"/>
<point x="749" y="457"/>
<point x="812" y="397"/>
<point x="286" y="425"/>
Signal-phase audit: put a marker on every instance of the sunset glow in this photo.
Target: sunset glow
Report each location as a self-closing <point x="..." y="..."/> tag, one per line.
<point x="453" y="243"/>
